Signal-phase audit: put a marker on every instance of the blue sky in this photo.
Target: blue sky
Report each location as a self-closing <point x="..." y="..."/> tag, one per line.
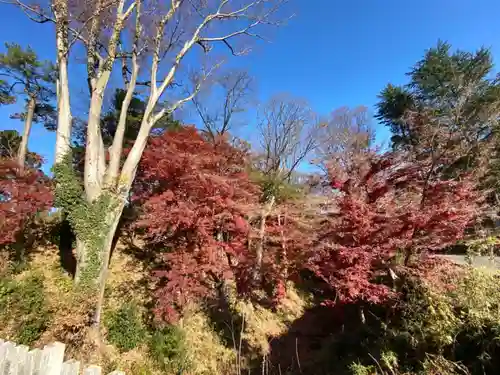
<point x="333" y="53"/>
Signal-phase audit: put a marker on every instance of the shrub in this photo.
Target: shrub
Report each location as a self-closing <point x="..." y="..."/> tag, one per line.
<point x="449" y="329"/>
<point x="359" y="369"/>
<point x="24" y="299"/>
<point x="126" y="329"/>
<point x="387" y="204"/>
<point x="194" y="196"/>
<point x="22" y="196"/>
<point x="167" y="346"/>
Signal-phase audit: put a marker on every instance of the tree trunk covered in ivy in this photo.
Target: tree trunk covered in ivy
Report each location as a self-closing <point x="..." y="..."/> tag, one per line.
<point x="94" y="209"/>
<point x="112" y="220"/>
<point x="94" y="223"/>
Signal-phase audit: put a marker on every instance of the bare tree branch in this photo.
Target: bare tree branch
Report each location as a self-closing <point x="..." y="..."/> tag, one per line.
<point x="218" y="114"/>
<point x="347" y="133"/>
<point x="288" y="135"/>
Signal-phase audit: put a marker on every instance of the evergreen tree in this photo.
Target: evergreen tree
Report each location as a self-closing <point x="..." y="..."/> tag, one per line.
<point x="10" y="140"/>
<point x="28" y="77"/>
<point x="452" y="89"/>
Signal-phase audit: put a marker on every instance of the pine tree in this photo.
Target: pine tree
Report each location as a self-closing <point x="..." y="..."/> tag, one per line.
<point x="451" y="90"/>
<point x="28" y="77"/>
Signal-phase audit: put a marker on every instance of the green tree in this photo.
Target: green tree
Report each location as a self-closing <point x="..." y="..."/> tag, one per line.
<point x="5" y="94"/>
<point x="28" y="77"/>
<point x="395" y="102"/>
<point x="451" y="98"/>
<point x="10" y="140"/>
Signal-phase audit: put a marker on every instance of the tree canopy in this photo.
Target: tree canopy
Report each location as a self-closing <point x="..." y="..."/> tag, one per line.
<point x="456" y="88"/>
<point x="25" y="75"/>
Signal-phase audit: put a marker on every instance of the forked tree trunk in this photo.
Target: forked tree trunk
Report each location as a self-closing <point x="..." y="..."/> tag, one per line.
<point x="23" y="147"/>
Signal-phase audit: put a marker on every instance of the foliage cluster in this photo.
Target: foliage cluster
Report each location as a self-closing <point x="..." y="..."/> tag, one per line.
<point x="86" y="219"/>
<point x="28" y="76"/>
<point x="455" y="327"/>
<point x="23" y="307"/>
<point x="22" y="196"/>
<point x="168" y="348"/>
<point x="166" y="345"/>
<point x="126" y="330"/>
<point x="195" y="198"/>
<point x="387" y="206"/>
<point x="10" y="141"/>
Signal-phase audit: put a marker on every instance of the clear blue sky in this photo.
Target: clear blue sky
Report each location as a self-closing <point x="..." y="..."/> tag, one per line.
<point x="333" y="53"/>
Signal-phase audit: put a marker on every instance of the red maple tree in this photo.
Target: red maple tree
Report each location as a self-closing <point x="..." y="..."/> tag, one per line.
<point x="289" y="235"/>
<point x="387" y="206"/>
<point x="195" y="196"/>
<point x="22" y="195"/>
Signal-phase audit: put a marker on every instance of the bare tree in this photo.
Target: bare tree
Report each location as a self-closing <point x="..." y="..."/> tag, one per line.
<point x="162" y="35"/>
<point x="288" y="130"/>
<point x="288" y="135"/>
<point x="229" y="96"/>
<point x="345" y="134"/>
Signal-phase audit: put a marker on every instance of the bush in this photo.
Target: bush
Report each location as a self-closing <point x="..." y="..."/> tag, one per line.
<point x="24" y="299"/>
<point x="126" y="329"/>
<point x="448" y="330"/>
<point x="167" y="347"/>
<point x="22" y="196"/>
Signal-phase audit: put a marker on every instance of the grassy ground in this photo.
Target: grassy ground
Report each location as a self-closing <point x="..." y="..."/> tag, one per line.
<point x="128" y="340"/>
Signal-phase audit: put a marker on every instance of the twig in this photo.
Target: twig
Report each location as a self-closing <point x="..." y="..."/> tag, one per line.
<point x="297" y="353"/>
<point x="377" y="363"/>
<point x="240" y="345"/>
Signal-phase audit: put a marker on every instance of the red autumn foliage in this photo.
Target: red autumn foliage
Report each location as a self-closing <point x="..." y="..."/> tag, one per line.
<point x="21" y="196"/>
<point x="289" y="234"/>
<point x="196" y="202"/>
<point x="387" y="206"/>
<point x="194" y="196"/>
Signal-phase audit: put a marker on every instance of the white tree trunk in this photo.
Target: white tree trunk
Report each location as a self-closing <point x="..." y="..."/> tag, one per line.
<point x="115" y="151"/>
<point x="63" y="134"/>
<point x="94" y="150"/>
<point x="23" y="147"/>
<point x="266" y="211"/>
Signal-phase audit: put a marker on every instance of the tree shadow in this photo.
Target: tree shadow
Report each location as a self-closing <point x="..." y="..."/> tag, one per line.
<point x="65" y="242"/>
<point x="226" y="322"/>
<point x="325" y="340"/>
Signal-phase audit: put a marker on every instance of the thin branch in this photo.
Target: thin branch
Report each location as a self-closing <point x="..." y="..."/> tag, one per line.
<point x="129" y="11"/>
<point x="45" y="18"/>
<point x="243" y="52"/>
<point x="222" y="4"/>
<point x="158" y="39"/>
<point x="188" y="98"/>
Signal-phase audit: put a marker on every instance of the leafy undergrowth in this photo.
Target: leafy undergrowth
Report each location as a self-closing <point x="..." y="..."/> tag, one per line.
<point x="23" y="309"/>
<point x="439" y="330"/>
<point x="39" y="306"/>
<point x="446" y="323"/>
